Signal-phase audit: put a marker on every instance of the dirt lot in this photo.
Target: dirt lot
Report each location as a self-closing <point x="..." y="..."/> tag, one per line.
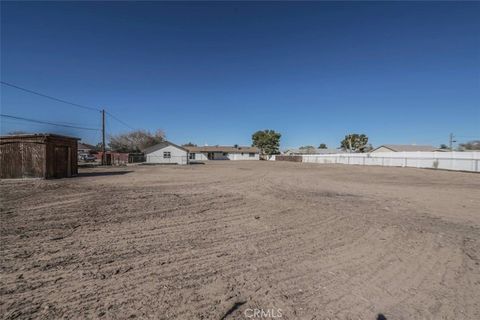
<point x="217" y="241"/>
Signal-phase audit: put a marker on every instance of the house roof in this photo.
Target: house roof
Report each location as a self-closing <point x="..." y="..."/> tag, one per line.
<point x="407" y="147"/>
<point x="314" y="151"/>
<point x="162" y="145"/>
<point x="227" y="149"/>
<point x="85" y="146"/>
<point x="37" y="135"/>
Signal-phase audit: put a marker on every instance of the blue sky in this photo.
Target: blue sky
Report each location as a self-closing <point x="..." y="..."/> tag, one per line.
<point x="216" y="72"/>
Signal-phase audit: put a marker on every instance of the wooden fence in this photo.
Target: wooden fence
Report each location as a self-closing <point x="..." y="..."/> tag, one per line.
<point x="289" y="158"/>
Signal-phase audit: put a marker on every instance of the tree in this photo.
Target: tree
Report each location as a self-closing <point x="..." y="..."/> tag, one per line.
<point x="322" y="146"/>
<point x="135" y="141"/>
<point x="15" y="133"/>
<point x="98" y="147"/>
<point x="443" y="146"/>
<point x="470" y="145"/>
<point x="189" y="144"/>
<point x="307" y="149"/>
<point x="268" y="141"/>
<point x="354" y="142"/>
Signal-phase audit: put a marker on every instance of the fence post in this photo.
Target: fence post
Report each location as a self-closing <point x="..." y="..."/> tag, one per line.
<point x="453" y="161"/>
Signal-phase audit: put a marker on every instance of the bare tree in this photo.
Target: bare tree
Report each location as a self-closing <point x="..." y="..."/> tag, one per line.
<point x="307" y="149"/>
<point x="14" y="133"/>
<point x="471" y="145"/>
<point x="135" y="141"/>
<point x="189" y="144"/>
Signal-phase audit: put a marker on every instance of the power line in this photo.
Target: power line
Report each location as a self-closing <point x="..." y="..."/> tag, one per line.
<point x="47" y="122"/>
<point x="50" y="97"/>
<point x="68" y="102"/>
<point x="122" y="122"/>
<point x="65" y="123"/>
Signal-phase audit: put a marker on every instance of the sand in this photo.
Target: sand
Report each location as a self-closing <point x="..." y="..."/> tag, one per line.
<point x="221" y="240"/>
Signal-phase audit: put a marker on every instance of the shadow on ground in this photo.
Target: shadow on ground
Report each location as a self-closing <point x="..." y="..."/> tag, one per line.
<point x="105" y="173"/>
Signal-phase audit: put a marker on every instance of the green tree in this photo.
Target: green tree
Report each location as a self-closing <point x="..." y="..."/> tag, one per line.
<point x="354" y="142"/>
<point x="135" y="141"/>
<point x="443" y="146"/>
<point x="268" y="141"/>
<point x="322" y="146"/>
<point x="306" y="147"/>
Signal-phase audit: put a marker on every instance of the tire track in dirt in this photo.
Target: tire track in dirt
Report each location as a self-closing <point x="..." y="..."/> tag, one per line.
<point x="211" y="241"/>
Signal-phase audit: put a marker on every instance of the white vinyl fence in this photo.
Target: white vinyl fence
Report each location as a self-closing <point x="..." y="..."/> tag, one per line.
<point x="461" y="161"/>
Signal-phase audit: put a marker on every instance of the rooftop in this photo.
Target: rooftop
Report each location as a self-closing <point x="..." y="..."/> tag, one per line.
<point x="37" y="135"/>
<point x="226" y="149"/>
<point x="313" y="151"/>
<point x="407" y="147"/>
<point x="161" y="145"/>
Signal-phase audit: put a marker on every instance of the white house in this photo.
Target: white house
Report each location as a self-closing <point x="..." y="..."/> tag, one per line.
<point x="223" y="153"/>
<point x="166" y="152"/>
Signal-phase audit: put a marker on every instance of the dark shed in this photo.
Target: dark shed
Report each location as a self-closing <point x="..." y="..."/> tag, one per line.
<point x="38" y="156"/>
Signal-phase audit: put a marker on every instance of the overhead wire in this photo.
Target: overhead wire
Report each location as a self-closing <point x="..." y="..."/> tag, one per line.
<point x="50" y="97"/>
<point x="67" y="102"/>
<point x="47" y="122"/>
<point x="120" y="121"/>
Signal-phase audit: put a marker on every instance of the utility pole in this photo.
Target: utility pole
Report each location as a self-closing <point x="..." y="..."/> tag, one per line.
<point x="104" y="156"/>
<point x="451" y="141"/>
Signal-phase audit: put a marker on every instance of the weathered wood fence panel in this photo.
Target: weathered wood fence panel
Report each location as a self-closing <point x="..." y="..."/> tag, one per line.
<point x="288" y="158"/>
<point x="38" y="156"/>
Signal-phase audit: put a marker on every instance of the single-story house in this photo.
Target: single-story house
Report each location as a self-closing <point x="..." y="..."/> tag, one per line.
<point x="298" y="152"/>
<point x="223" y="153"/>
<point x="166" y="152"/>
<point x="404" y="148"/>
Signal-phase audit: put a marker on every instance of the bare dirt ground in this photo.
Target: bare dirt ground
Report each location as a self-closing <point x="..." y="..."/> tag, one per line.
<point x="217" y="240"/>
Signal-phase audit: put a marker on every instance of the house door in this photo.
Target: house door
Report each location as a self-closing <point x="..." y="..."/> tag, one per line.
<point x="210" y="156"/>
<point x="61" y="162"/>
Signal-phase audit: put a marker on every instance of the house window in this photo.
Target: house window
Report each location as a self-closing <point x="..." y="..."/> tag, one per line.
<point x="167" y="155"/>
<point x="191" y="156"/>
<point x="251" y="154"/>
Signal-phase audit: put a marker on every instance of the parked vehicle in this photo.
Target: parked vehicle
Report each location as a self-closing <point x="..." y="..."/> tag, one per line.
<point x="89" y="158"/>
